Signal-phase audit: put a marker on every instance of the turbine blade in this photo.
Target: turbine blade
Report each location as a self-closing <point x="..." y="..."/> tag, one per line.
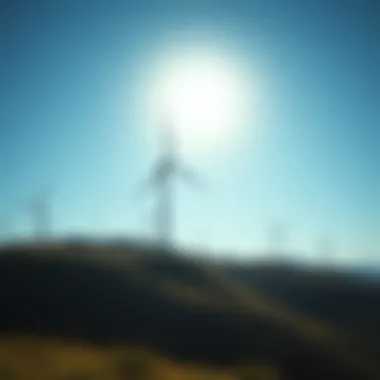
<point x="163" y="169"/>
<point x="191" y="177"/>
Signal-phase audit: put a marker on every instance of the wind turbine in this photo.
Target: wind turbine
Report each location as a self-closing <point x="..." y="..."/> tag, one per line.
<point x="6" y="223"/>
<point x="277" y="236"/>
<point x="41" y="214"/>
<point x="325" y="250"/>
<point x="167" y="168"/>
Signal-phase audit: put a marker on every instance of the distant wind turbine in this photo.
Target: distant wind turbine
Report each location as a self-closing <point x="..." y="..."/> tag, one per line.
<point x="277" y="236"/>
<point x="326" y="250"/>
<point x="167" y="167"/>
<point x="6" y="224"/>
<point x="41" y="214"/>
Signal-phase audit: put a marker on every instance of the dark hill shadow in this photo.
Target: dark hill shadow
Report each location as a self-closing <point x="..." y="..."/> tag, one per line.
<point x="337" y="298"/>
<point x="57" y="295"/>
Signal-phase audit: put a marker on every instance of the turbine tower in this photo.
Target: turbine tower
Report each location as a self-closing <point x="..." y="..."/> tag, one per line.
<point x="6" y="223"/>
<point x="165" y="171"/>
<point x="168" y="167"/>
<point x="277" y="236"/>
<point x="40" y="209"/>
<point x="326" y="250"/>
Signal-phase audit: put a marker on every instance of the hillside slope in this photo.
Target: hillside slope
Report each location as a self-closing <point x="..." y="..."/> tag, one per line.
<point x="337" y="298"/>
<point x="190" y="312"/>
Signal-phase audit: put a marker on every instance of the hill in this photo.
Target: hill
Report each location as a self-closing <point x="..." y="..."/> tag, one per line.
<point x="115" y="295"/>
<point x="345" y="301"/>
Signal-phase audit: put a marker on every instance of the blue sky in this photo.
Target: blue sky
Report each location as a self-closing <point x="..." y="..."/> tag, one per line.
<point x="74" y="77"/>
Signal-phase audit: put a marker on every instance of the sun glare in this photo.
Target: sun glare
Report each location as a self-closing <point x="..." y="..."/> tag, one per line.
<point x="204" y="100"/>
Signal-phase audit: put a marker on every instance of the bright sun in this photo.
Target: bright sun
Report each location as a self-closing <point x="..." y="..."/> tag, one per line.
<point x="204" y="100"/>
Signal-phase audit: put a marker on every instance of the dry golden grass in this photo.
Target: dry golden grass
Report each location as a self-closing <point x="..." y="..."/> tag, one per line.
<point x="31" y="358"/>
